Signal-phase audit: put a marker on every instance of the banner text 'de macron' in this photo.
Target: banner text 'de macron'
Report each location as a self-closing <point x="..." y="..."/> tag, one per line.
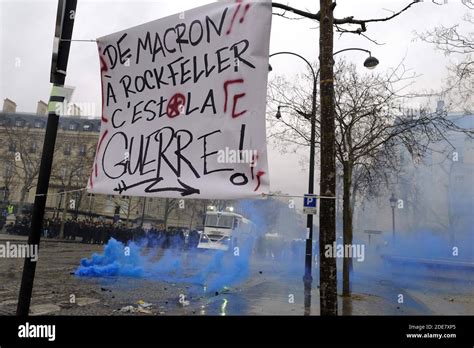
<point x="183" y="110"/>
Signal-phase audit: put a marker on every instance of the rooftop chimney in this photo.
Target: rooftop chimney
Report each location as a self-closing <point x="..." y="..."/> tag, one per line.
<point x="9" y="105"/>
<point x="42" y="108"/>
<point x="74" y="110"/>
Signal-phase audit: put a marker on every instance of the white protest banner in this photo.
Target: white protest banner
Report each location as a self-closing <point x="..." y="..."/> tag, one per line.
<point x="183" y="111"/>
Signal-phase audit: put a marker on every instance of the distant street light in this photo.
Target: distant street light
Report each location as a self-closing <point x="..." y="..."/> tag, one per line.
<point x="278" y="114"/>
<point x="393" y="203"/>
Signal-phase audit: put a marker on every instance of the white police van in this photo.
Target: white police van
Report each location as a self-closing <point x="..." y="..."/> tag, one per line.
<point x="220" y="229"/>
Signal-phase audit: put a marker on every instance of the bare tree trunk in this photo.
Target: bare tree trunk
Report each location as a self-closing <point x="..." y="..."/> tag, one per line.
<point x="90" y="207"/>
<point x="22" y="201"/>
<point x="347" y="228"/>
<point x="166" y="214"/>
<point x="327" y="218"/>
<point x="192" y="218"/>
<point x="63" y="218"/>
<point x="129" y="207"/>
<point x="451" y="211"/>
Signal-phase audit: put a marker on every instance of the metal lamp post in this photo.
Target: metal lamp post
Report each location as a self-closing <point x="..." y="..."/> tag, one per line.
<point x="370" y="63"/>
<point x="393" y="203"/>
<point x="307" y="278"/>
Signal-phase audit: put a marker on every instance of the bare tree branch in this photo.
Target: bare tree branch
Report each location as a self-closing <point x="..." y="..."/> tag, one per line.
<point x="362" y="23"/>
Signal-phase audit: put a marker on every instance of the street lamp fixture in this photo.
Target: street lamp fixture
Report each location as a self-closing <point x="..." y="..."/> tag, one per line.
<point x="278" y="114"/>
<point x="371" y="63"/>
<point x="393" y="201"/>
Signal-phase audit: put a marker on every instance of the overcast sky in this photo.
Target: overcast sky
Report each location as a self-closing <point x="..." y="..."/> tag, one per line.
<point x="27" y="31"/>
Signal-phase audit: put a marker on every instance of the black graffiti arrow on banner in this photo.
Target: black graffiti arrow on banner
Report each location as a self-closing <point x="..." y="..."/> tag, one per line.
<point x="185" y="189"/>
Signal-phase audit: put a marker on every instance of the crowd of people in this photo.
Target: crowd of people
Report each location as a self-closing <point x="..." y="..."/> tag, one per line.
<point x="21" y="226"/>
<point x="99" y="232"/>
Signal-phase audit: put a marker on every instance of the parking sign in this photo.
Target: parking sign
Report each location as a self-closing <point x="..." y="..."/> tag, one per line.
<point x="310" y="204"/>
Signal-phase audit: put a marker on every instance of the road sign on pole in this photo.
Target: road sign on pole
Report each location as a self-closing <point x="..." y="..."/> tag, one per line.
<point x="310" y="205"/>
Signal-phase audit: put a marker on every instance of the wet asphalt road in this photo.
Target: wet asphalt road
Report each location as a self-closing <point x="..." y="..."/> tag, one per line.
<point x="273" y="287"/>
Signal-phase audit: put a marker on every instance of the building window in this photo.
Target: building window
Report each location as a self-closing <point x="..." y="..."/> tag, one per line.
<point x="109" y="205"/>
<point x="8" y="170"/>
<point x="19" y="123"/>
<point x="72" y="126"/>
<point x="63" y="173"/>
<point x="33" y="147"/>
<point x="67" y="149"/>
<point x="150" y="208"/>
<point x="87" y="127"/>
<point x="39" y="124"/>
<point x="82" y="150"/>
<point x="59" y="198"/>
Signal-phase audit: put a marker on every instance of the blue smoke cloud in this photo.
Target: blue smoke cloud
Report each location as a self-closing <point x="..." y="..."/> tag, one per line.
<point x="213" y="270"/>
<point x="414" y="258"/>
<point x="113" y="262"/>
